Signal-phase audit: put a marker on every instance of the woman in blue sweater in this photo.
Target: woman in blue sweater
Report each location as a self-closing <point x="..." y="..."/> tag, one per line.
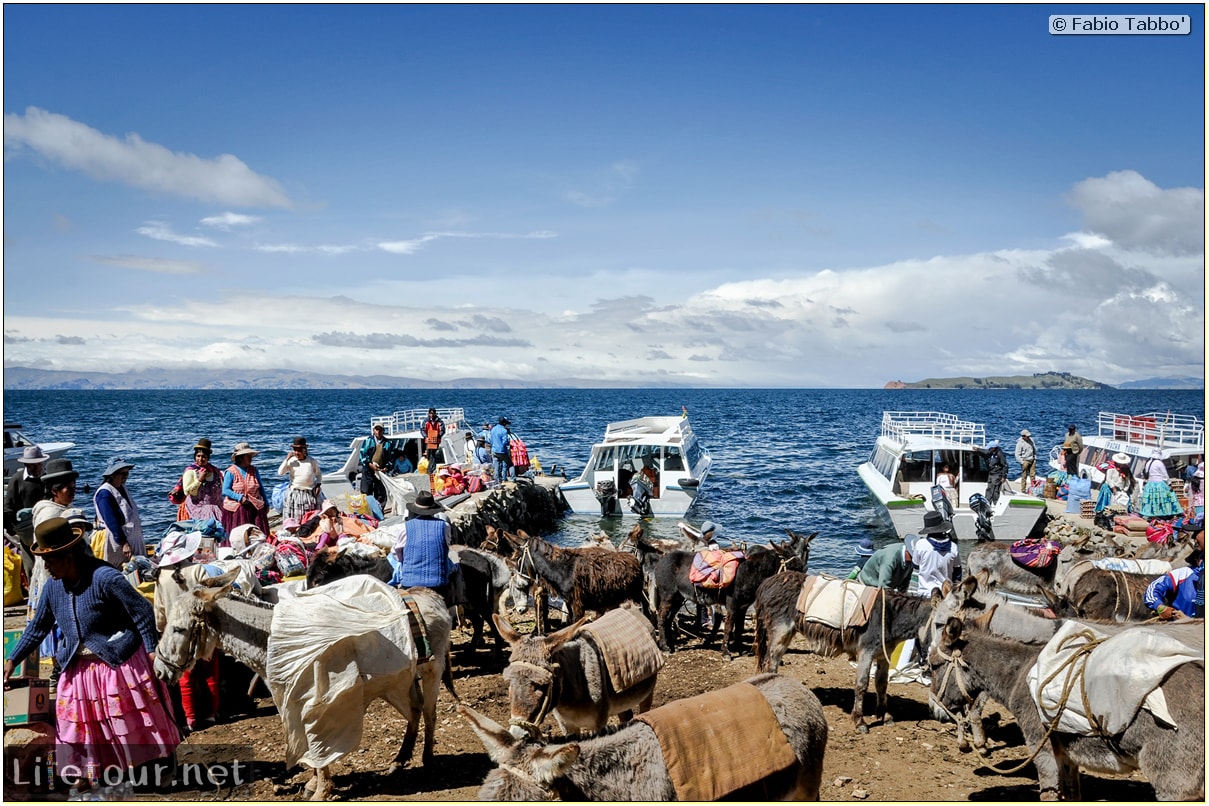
<point x="110" y="711"/>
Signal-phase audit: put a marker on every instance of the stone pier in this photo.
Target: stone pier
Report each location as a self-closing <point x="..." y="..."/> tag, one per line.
<point x="533" y="506"/>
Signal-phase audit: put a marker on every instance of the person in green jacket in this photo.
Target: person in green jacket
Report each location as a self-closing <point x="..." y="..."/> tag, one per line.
<point x="891" y="566"/>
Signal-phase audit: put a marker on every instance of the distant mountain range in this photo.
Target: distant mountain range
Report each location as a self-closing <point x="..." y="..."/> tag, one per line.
<point x="19" y="378"/>
<point x="1044" y="380"/>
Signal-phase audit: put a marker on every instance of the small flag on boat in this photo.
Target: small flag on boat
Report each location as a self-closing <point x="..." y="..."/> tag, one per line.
<point x="683" y="413"/>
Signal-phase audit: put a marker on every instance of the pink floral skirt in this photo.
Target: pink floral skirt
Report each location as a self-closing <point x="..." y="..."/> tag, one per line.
<point x="113" y="716"/>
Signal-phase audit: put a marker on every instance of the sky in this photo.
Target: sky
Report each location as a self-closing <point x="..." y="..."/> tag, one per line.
<point x="738" y="196"/>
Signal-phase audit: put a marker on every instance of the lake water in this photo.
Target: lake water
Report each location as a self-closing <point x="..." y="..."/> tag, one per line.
<point x="783" y="458"/>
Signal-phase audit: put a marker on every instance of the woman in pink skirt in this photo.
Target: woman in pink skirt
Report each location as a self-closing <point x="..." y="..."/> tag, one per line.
<point x="111" y="712"/>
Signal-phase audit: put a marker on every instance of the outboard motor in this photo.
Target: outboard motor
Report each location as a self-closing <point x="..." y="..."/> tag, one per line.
<point x="940" y="503"/>
<point x="982" y="509"/>
<point x="606" y="494"/>
<point x="640" y="498"/>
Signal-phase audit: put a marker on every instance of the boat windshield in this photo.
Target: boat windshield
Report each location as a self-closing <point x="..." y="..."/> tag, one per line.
<point x="916" y="466"/>
<point x="606" y="459"/>
<point x="692" y="452"/>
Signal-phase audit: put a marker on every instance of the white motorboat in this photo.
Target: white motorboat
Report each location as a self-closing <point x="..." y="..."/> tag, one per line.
<point x="910" y="451"/>
<point x="1179" y="439"/>
<point x="16" y="441"/>
<point x="649" y="466"/>
<point x="404" y="428"/>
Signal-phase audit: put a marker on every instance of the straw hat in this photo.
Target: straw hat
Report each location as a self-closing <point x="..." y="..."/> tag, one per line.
<point x="1121" y="458"/>
<point x="243" y="449"/>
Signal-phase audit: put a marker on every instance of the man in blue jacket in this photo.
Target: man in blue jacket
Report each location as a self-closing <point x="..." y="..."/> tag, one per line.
<point x="1181" y="590"/>
<point x="499" y="449"/>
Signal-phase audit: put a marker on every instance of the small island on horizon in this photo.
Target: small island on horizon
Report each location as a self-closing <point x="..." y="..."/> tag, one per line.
<point x="1038" y="380"/>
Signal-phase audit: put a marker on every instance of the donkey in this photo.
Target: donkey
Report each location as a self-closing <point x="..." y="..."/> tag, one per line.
<point x="628" y="764"/>
<point x="209" y="615"/>
<point x="565" y="675"/>
<point x="674" y="587"/>
<point x="587" y="578"/>
<point x="1173" y="760"/>
<point x="1098" y="593"/>
<point x="484" y="575"/>
<point x="895" y="617"/>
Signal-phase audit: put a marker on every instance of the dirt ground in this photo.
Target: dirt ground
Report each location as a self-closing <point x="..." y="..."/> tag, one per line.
<point x="913" y="759"/>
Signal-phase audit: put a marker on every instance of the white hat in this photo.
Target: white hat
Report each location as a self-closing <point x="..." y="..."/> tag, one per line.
<point x="909" y="541"/>
<point x="1156" y="454"/>
<point x="32" y="455"/>
<point x="1121" y="458"/>
<point x="179" y="547"/>
<point x="244" y="537"/>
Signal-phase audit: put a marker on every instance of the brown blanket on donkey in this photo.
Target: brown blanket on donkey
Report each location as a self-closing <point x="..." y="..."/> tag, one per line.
<point x="719" y="742"/>
<point x="840" y="603"/>
<point x="624" y="639"/>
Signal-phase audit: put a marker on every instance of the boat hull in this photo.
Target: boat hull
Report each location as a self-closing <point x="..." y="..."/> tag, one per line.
<point x="1014" y="522"/>
<point x="672" y="503"/>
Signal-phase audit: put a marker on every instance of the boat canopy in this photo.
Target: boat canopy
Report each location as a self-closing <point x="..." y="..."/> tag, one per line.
<point x="403" y="422"/>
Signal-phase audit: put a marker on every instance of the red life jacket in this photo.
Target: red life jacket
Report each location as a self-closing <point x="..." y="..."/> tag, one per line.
<point x="432" y="434"/>
<point x="518" y="452"/>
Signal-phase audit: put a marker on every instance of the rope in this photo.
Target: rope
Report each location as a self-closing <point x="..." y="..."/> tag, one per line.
<point x="1073" y="676"/>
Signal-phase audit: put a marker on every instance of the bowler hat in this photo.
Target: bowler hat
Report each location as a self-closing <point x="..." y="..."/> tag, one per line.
<point x="54" y="535"/>
<point x="935" y="524"/>
<point x="424" y="504"/>
<point x="32" y="455"/>
<point x="115" y="464"/>
<point x="299" y="442"/>
<point x="58" y="470"/>
<point x="203" y="444"/>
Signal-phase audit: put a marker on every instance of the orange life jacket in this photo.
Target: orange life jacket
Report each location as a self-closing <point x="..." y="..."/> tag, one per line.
<point x="432" y="434"/>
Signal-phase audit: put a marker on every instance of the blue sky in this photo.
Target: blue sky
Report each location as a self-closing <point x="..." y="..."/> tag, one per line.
<point x="709" y="195"/>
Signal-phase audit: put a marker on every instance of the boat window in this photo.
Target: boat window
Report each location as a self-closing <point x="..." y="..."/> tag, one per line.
<point x="672" y="459"/>
<point x="692" y="453"/>
<point x="917" y="466"/>
<point x="1096" y="456"/>
<point x="883" y="460"/>
<point x="605" y="459"/>
<point x="974" y="467"/>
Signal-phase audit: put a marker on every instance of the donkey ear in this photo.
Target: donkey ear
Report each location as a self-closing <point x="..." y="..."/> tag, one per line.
<point x="968" y="587"/>
<point x="946" y="588"/>
<point x="984" y="579"/>
<point x="223" y="581"/>
<point x="953" y="629"/>
<point x="939" y="594"/>
<point x="506" y="630"/>
<point x="549" y="765"/>
<point x="983" y="622"/>
<point x="496" y="739"/>
<point x="557" y="639"/>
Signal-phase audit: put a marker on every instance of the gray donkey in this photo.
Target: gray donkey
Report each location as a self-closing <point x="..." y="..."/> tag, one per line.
<point x="1173" y="760"/>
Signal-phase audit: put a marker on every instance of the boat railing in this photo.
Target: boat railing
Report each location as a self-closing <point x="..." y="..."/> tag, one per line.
<point x="936" y="425"/>
<point x="1156" y="429"/>
<point x="403" y="421"/>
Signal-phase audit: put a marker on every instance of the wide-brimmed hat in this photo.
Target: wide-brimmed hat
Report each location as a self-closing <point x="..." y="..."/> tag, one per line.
<point x="299" y="442"/>
<point x="243" y="449"/>
<point x="707" y="527"/>
<point x="424" y="504"/>
<point x="77" y="520"/>
<point x="328" y="504"/>
<point x="1025" y="433"/>
<point x="935" y="524"/>
<point x="115" y="464"/>
<point x="865" y="547"/>
<point x="203" y="444"/>
<point x="1156" y="454"/>
<point x="504" y="421"/>
<point x="33" y="455"/>
<point x="54" y="535"/>
<point x="1121" y="458"/>
<point x="58" y="470"/>
<point x="909" y="541"/>
<point x="244" y="537"/>
<point x="178" y="547"/>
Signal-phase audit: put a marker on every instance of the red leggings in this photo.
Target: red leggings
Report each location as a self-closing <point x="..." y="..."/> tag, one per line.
<point x="199" y="690"/>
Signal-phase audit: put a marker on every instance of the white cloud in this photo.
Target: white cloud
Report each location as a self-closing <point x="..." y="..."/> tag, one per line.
<point x="225" y="221"/>
<point x="297" y="249"/>
<point x="410" y="247"/>
<point x="225" y="179"/>
<point x="160" y="231"/>
<point x="157" y="265"/>
<point x="1134" y="213"/>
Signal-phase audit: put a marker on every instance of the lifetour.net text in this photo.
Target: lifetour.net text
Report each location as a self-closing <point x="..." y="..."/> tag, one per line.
<point x="206" y="767"/>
